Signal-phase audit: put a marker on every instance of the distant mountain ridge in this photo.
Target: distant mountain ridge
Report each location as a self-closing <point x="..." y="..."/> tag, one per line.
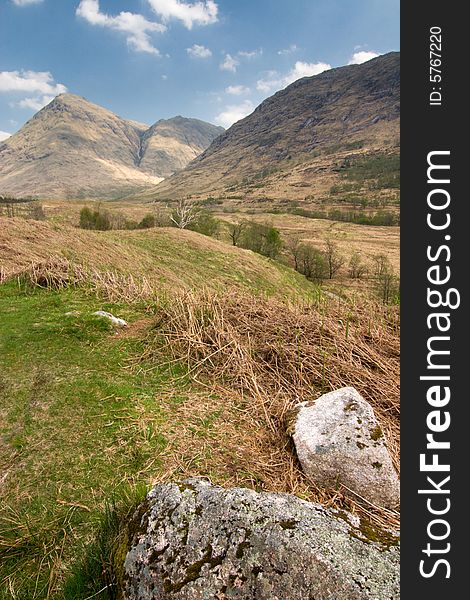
<point x="73" y="148"/>
<point x="294" y="139"/>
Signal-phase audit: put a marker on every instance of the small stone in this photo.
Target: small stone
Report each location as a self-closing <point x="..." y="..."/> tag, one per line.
<point x="114" y="320"/>
<point x="338" y="440"/>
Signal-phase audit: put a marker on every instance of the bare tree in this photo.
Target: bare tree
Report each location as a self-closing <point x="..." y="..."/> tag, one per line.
<point x="333" y="258"/>
<point x="235" y="231"/>
<point x="357" y="269"/>
<point x="382" y="265"/>
<point x="386" y="282"/>
<point x="295" y="248"/>
<point x="184" y="213"/>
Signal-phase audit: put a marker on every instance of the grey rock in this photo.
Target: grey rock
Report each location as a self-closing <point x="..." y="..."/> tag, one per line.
<point x="193" y="540"/>
<point x="338" y="440"/>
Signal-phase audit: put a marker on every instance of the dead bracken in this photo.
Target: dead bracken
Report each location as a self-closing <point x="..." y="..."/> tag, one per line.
<point x="262" y="356"/>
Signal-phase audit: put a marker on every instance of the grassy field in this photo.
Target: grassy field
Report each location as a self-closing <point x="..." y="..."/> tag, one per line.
<point x="91" y="416"/>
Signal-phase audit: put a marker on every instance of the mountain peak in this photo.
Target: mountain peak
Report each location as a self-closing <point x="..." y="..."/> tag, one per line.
<point x="68" y="99"/>
<point x="73" y="148"/>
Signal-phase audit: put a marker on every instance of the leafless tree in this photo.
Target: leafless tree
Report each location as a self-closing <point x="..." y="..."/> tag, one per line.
<point x="184" y="213"/>
<point x="235" y="231"/>
<point x="386" y="282"/>
<point x="295" y="248"/>
<point x="357" y="269"/>
<point x="333" y="258"/>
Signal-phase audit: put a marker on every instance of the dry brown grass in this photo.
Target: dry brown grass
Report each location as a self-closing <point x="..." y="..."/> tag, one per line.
<point x="60" y="273"/>
<point x="257" y="358"/>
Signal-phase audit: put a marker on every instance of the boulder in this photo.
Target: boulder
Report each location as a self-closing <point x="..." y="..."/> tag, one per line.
<point x="114" y="320"/>
<point x="193" y="540"/>
<point x="338" y="440"/>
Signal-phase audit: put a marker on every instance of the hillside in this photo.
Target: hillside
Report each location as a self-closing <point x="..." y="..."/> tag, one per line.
<point x="167" y="258"/>
<point x="295" y="143"/>
<point x="75" y="149"/>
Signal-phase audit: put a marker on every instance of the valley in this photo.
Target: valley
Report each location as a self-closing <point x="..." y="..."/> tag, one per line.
<point x="254" y="268"/>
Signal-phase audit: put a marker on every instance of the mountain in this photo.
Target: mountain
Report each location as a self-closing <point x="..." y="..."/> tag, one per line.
<point x="171" y="144"/>
<point x="75" y="149"/>
<point x="293" y="144"/>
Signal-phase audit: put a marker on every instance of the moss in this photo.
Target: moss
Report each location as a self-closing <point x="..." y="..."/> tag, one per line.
<point x="184" y="531"/>
<point x="290" y="420"/>
<point x="186" y="486"/>
<point x="361" y="445"/>
<point x="351" y="405"/>
<point x="193" y="571"/>
<point x="288" y="524"/>
<point x="368" y="533"/>
<point x="376" y="433"/>
<point x="242" y="546"/>
<point x="373" y="534"/>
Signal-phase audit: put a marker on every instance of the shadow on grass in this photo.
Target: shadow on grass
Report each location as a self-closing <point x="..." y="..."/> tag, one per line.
<point x="99" y="573"/>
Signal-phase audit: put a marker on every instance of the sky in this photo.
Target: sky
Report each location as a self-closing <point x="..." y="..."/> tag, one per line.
<point x="147" y="60"/>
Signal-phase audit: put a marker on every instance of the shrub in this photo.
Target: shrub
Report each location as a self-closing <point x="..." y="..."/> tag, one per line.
<point x="357" y="269"/>
<point x="147" y="222"/>
<point x="97" y="219"/>
<point x="205" y="223"/>
<point x="261" y="238"/>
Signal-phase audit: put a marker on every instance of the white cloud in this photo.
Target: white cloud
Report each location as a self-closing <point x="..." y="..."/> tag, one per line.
<point x="252" y="54"/>
<point x="26" y="2"/>
<point x="196" y="13"/>
<point x="136" y="26"/>
<point x="30" y="81"/>
<point x="164" y="77"/>
<point x="4" y="135"/>
<point x="197" y="51"/>
<point x="290" y="50"/>
<point x="40" y="84"/>
<point x="234" y="113"/>
<point x="237" y="90"/>
<point x="276" y="81"/>
<point x="363" y="56"/>
<point x="35" y="103"/>
<point x="229" y="64"/>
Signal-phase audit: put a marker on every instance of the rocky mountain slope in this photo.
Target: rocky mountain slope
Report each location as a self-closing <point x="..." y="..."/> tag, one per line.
<point x="74" y="149"/>
<point x="294" y="139"/>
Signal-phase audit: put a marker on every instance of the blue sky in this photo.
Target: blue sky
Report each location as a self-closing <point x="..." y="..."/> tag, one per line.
<point x="150" y="59"/>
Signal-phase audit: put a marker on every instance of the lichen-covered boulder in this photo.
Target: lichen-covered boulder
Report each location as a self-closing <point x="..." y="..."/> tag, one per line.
<point x="338" y="440"/>
<point x="193" y="540"/>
